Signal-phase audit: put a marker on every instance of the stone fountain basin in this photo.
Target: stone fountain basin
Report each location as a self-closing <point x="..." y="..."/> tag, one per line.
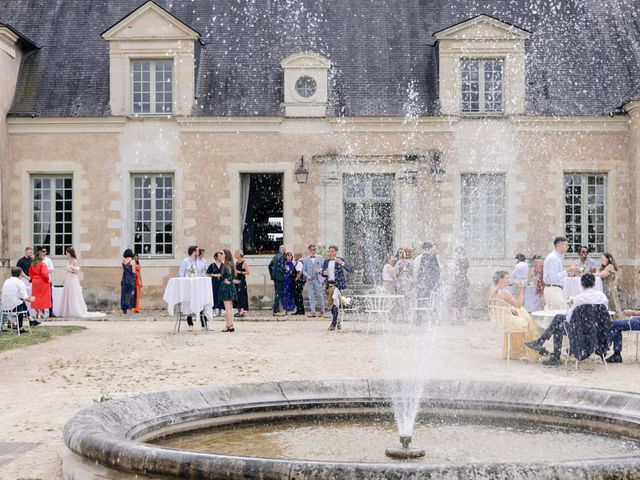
<point x="106" y="440"/>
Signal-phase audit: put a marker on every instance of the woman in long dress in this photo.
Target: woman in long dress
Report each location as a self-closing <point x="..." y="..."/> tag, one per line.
<point x="72" y="303"/>
<point x="128" y="283"/>
<point x="609" y="274"/>
<point x="242" y="270"/>
<point x="288" y="300"/>
<point x="228" y="293"/>
<point x="518" y="318"/>
<point x="215" y="272"/>
<point x="138" y="272"/>
<point x="40" y="285"/>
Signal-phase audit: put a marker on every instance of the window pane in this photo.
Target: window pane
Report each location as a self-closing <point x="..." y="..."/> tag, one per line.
<point x="588" y="205"/>
<point x="52" y="200"/>
<point x="483" y="214"/>
<point x="151" y="216"/>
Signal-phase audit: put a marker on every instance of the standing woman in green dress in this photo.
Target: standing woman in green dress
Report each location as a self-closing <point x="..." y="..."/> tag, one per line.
<point x="227" y="292"/>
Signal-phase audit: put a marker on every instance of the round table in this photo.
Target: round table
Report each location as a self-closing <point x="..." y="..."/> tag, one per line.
<point x="192" y="294"/>
<point x="543" y="317"/>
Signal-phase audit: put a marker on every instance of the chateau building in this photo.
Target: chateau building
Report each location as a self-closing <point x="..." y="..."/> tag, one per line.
<point x="496" y="125"/>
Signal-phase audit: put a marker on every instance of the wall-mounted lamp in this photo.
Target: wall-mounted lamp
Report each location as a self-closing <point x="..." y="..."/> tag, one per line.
<point x="437" y="167"/>
<point x="301" y="172"/>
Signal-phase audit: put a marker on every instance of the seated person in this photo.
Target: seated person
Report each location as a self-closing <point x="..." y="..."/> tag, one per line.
<point x="520" y="318"/>
<point x="14" y="295"/>
<point x="619" y="326"/>
<point x="588" y="296"/>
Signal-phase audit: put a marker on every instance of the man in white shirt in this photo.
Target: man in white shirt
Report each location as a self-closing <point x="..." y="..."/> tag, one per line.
<point x="47" y="261"/>
<point x="185" y="266"/>
<point x="14" y="295"/>
<point x="588" y="296"/>
<point x="585" y="263"/>
<point x="190" y="261"/>
<point x="554" y="274"/>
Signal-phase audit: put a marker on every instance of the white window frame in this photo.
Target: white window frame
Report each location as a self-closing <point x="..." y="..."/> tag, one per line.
<point x="54" y="224"/>
<point x="153" y="93"/>
<point x="475" y="216"/>
<point x="587" y="189"/>
<point x="153" y="212"/>
<point x="482" y="86"/>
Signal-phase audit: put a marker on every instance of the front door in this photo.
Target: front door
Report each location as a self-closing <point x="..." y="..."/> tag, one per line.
<point x="368" y="225"/>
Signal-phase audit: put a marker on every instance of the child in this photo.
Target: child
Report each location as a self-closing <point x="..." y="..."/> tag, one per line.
<point x="335" y="301"/>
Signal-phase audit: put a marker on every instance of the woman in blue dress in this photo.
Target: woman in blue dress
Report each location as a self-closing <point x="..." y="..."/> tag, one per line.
<point x="215" y="272"/>
<point x="128" y="283"/>
<point x="289" y="278"/>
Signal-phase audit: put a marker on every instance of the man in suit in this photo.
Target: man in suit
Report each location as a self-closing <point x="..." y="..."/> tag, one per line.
<point x="312" y="270"/>
<point x="276" y="272"/>
<point x="619" y="326"/>
<point x="556" y="328"/>
<point x="333" y="270"/>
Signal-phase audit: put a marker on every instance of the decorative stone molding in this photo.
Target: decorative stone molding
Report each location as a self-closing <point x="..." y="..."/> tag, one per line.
<point x="305" y="85"/>
<point x="482" y="37"/>
<point x="151" y="33"/>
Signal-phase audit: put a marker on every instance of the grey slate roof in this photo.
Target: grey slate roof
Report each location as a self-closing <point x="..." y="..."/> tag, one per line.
<point x="583" y="57"/>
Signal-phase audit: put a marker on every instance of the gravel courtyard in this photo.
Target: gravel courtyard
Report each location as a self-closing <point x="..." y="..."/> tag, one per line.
<point x="42" y="386"/>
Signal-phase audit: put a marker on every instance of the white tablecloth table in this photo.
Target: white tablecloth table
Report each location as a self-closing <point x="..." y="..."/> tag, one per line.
<point x="544" y="317"/>
<point x="571" y="286"/>
<point x="194" y="295"/>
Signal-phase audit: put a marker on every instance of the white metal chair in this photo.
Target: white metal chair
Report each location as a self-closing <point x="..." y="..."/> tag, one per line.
<point x="427" y="308"/>
<point x="5" y="317"/>
<point x="377" y="310"/>
<point x="502" y="319"/>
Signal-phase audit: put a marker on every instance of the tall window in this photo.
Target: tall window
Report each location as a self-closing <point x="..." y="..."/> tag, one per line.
<point x="483" y="215"/>
<point x="52" y="207"/>
<point x="481" y="85"/>
<point x="153" y="214"/>
<point x="585" y="197"/>
<point x="368" y="201"/>
<point x="152" y="86"/>
<point x="262" y="212"/>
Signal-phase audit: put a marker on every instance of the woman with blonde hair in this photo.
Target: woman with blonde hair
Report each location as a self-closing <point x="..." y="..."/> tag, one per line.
<point x="517" y="319"/>
<point x="227" y="292"/>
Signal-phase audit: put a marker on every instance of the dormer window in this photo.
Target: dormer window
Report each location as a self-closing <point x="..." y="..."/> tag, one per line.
<point x="481" y="86"/>
<point x="152" y="86"/>
<point x="151" y="63"/>
<point x="482" y="67"/>
<point x="305" y="85"/>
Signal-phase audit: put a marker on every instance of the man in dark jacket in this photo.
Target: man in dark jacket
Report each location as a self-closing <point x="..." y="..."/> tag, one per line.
<point x="276" y="272"/>
<point x="556" y="328"/>
<point x="333" y="270"/>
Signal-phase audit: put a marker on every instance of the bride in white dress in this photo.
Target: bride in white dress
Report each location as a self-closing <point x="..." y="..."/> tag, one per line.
<point x="72" y="304"/>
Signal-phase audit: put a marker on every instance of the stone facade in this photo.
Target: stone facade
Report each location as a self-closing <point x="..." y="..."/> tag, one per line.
<point x="207" y="154"/>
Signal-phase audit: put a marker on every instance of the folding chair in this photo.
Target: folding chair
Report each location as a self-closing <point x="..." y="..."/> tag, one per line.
<point x="501" y="318"/>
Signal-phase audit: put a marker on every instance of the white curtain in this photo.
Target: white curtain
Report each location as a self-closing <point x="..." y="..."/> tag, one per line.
<point x="245" y="186"/>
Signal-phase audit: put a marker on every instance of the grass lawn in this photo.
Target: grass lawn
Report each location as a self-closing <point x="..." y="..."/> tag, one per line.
<point x="9" y="339"/>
